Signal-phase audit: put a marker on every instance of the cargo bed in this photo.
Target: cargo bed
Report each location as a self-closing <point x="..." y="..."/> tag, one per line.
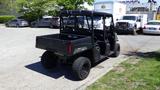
<point x="58" y="43"/>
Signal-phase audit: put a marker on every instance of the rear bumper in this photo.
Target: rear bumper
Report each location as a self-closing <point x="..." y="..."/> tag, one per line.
<point x="146" y="31"/>
<point x="124" y="31"/>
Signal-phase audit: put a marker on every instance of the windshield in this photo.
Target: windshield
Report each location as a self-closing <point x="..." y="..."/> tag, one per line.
<point x="96" y="18"/>
<point x="73" y="21"/>
<point x="80" y="24"/>
<point x="80" y="21"/>
<point x="46" y="19"/>
<point x="129" y="18"/>
<point x="153" y="23"/>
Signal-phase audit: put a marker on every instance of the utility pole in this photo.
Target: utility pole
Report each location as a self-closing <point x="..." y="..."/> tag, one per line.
<point x="12" y="12"/>
<point x="151" y="4"/>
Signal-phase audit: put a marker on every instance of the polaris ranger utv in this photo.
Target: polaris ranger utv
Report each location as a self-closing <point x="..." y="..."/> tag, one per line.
<point x="81" y="44"/>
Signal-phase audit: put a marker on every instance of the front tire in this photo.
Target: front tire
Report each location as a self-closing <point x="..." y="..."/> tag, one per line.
<point x="49" y="60"/>
<point x="134" y="32"/>
<point x="81" y="67"/>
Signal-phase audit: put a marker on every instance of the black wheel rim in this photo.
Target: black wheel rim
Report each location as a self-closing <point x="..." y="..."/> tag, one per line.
<point x="85" y="70"/>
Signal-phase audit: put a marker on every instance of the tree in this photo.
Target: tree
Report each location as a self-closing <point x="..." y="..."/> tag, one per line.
<point x="34" y="9"/>
<point x="7" y="7"/>
<point x="73" y="4"/>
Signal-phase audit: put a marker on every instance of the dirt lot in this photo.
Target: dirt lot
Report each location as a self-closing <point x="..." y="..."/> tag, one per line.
<point x="20" y="67"/>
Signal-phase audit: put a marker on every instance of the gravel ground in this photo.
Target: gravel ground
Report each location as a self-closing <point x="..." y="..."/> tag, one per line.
<point x="20" y="67"/>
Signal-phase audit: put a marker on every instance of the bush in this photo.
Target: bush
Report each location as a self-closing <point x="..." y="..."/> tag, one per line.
<point x="6" y="18"/>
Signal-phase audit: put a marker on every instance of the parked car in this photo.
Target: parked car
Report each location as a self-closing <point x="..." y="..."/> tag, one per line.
<point x="152" y="27"/>
<point x="44" y="22"/>
<point x="17" y="23"/>
<point x="70" y="21"/>
<point x="55" y="22"/>
<point x="131" y="23"/>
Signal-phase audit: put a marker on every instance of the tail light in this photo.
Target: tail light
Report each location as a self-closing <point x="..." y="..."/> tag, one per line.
<point x="69" y="48"/>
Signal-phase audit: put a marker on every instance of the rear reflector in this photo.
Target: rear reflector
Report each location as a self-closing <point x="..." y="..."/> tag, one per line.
<point x="69" y="48"/>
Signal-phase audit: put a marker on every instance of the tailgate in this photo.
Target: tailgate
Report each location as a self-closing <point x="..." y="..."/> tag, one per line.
<point x="51" y="43"/>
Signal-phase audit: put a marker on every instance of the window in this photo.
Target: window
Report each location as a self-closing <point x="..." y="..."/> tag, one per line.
<point x="129" y="18"/>
<point x="153" y="23"/>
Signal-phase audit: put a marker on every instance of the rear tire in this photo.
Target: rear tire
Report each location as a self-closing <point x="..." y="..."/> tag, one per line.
<point x="81" y="67"/>
<point x="116" y="50"/>
<point x="49" y="60"/>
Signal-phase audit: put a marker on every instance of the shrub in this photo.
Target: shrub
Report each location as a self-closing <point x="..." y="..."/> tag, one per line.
<point x="6" y="18"/>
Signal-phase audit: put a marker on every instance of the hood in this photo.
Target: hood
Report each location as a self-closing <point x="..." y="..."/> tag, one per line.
<point x="154" y="26"/>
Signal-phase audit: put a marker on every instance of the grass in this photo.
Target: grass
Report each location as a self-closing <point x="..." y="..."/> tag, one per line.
<point x="137" y="73"/>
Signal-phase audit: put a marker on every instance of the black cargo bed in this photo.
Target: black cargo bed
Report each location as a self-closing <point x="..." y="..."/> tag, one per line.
<point x="57" y="42"/>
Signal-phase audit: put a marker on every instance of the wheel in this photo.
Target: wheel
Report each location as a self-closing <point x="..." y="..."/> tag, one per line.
<point x="81" y="67"/>
<point x="51" y="26"/>
<point x="34" y="25"/>
<point x="134" y="32"/>
<point x="49" y="60"/>
<point x="17" y="25"/>
<point x="140" y="31"/>
<point x="116" y="51"/>
<point x="7" y="25"/>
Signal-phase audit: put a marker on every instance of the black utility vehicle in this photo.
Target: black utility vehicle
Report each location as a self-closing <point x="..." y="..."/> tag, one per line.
<point x="81" y="46"/>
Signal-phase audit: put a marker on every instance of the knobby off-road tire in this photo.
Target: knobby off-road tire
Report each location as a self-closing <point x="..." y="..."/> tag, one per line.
<point x="49" y="60"/>
<point x="116" y="50"/>
<point x="81" y="68"/>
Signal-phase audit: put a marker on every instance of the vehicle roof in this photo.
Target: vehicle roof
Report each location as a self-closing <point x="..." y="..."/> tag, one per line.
<point x="154" y="21"/>
<point x="84" y="13"/>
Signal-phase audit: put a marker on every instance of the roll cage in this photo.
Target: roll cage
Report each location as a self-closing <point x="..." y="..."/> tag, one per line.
<point x="89" y="18"/>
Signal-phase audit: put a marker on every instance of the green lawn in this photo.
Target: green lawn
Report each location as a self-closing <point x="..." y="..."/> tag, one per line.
<point x="141" y="72"/>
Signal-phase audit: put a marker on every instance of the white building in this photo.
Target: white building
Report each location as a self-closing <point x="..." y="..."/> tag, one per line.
<point x="87" y="6"/>
<point x="117" y="9"/>
<point x="133" y="4"/>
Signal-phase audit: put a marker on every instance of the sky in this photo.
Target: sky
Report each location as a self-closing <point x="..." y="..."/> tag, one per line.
<point x="142" y="1"/>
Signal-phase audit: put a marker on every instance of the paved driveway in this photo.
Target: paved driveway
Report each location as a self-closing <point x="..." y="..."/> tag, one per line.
<point x="20" y="67"/>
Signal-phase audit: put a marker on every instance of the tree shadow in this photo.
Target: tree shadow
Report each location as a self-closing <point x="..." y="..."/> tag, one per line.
<point x="154" y="54"/>
<point x="57" y="72"/>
